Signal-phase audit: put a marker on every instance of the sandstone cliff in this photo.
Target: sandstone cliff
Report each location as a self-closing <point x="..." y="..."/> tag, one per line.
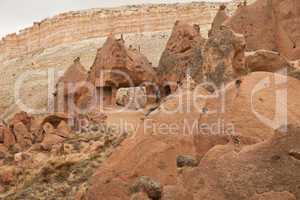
<point x="75" y="26"/>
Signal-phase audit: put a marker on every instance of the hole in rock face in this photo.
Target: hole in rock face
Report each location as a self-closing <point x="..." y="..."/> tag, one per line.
<point x="295" y="154"/>
<point x="104" y="95"/>
<point x="167" y="90"/>
<point x="238" y="83"/>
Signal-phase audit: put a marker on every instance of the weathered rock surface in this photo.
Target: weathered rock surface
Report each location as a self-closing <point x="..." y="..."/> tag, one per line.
<point x="132" y="98"/>
<point x="70" y="27"/>
<point x="269" y="25"/>
<point x="224" y="57"/>
<point x="8" y="137"/>
<point x="176" y="193"/>
<point x="186" y="161"/>
<point x="152" y="188"/>
<point x="139" y="196"/>
<point x="249" y="113"/>
<point x="218" y="21"/>
<point x="268" y="61"/>
<point x="116" y="65"/>
<point x="183" y="54"/>
<point x="51" y="139"/>
<point x="274" y="196"/>
<point x="68" y="87"/>
<point x="261" y="168"/>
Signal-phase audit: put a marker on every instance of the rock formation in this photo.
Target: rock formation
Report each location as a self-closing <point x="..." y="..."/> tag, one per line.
<point x="218" y="21"/>
<point x="116" y="66"/>
<point x="268" y="61"/>
<point x="70" y="27"/>
<point x="68" y="86"/>
<point x="256" y="99"/>
<point x="224" y="57"/>
<point x="132" y="98"/>
<point x="113" y="59"/>
<point x="182" y="55"/>
<point x="262" y="171"/>
<point x="235" y="137"/>
<point x="55" y="42"/>
<point x="116" y="177"/>
<point x="270" y="25"/>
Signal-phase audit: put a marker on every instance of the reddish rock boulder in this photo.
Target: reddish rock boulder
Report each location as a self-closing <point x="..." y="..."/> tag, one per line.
<point x="50" y="140"/>
<point x="268" y="61"/>
<point x="55" y="119"/>
<point x="8" y="137"/>
<point x="7" y="175"/>
<point x="22" y="117"/>
<point x="63" y="130"/>
<point x="48" y="128"/>
<point x="23" y="136"/>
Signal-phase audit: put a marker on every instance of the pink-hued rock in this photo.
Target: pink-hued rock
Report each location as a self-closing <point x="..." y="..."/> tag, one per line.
<point x="269" y="25"/>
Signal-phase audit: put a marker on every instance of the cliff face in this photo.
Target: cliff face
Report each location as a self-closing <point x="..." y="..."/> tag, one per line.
<point x="271" y="25"/>
<point x="75" y="26"/>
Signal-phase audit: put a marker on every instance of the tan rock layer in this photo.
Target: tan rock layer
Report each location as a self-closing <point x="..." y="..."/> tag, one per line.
<point x="75" y="26"/>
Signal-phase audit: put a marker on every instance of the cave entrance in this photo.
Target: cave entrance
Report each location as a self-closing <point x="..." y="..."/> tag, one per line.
<point x="107" y="95"/>
<point x="167" y="90"/>
<point x="104" y="95"/>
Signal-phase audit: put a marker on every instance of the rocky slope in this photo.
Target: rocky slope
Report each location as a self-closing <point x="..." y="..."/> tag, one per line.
<point x="235" y="140"/>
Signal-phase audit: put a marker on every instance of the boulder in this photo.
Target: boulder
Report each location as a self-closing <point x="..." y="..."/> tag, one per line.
<point x="55" y="119"/>
<point x="48" y="128"/>
<point x="22" y="117"/>
<point x="18" y="157"/>
<point x="152" y="188"/>
<point x="3" y="151"/>
<point x="63" y="130"/>
<point x="224" y="56"/>
<point x="7" y="175"/>
<point x="268" y="61"/>
<point x="132" y="98"/>
<point x="186" y="161"/>
<point x="23" y="136"/>
<point x="50" y="140"/>
<point x="8" y="137"/>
